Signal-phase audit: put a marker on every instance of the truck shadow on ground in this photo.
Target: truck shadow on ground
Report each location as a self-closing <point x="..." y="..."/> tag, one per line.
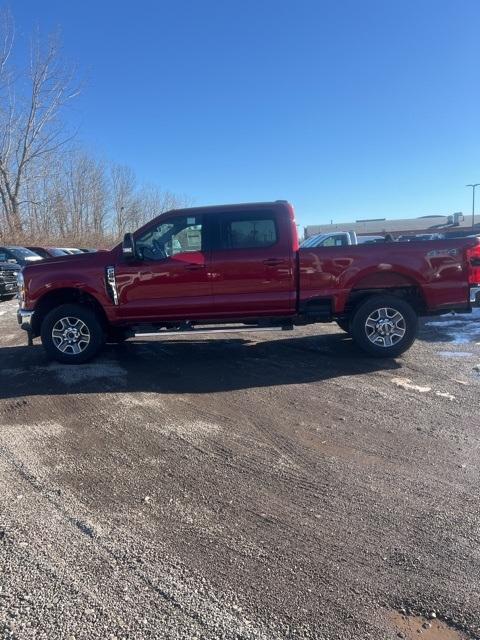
<point x="187" y="366"/>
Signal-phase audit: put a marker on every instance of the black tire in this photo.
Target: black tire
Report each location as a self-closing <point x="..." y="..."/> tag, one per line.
<point x="9" y="296"/>
<point x="387" y="336"/>
<point x="344" y="325"/>
<point x="87" y="318"/>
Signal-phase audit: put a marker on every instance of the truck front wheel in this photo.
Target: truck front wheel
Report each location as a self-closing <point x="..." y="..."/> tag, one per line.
<point x="344" y="325"/>
<point x="72" y="334"/>
<point x="384" y="326"/>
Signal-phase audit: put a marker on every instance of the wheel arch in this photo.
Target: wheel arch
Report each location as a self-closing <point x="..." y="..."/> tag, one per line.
<point x="387" y="283"/>
<point x="65" y="295"/>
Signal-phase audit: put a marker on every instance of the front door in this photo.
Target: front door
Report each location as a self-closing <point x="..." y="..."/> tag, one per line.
<point x="170" y="279"/>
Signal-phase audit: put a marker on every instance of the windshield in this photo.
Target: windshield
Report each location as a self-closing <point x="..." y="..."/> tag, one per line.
<point x="22" y="252"/>
<point x="311" y="242"/>
<point x="57" y="252"/>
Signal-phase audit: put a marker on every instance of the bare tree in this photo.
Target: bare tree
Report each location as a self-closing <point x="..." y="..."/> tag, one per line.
<point x="153" y="201"/>
<point x="124" y="194"/>
<point x="31" y="130"/>
<point x="51" y="190"/>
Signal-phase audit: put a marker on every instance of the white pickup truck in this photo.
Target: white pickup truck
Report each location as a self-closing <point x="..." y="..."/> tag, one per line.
<point x="339" y="239"/>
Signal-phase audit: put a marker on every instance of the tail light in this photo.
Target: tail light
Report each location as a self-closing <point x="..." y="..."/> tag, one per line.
<point x="21" y="288"/>
<point x="473" y="259"/>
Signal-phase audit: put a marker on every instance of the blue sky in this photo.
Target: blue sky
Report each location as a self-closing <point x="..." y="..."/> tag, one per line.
<point x="349" y="109"/>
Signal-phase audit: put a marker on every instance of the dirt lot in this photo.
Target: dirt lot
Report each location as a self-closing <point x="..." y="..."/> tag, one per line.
<point x="280" y="486"/>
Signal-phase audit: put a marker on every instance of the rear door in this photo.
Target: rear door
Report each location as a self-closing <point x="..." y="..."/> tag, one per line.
<point x="252" y="267"/>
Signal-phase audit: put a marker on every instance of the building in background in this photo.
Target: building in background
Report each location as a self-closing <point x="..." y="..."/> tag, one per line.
<point x="445" y="224"/>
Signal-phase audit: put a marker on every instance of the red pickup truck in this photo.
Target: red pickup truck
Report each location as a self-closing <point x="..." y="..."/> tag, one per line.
<point x="239" y="268"/>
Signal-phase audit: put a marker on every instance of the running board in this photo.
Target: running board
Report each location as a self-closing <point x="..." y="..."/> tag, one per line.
<point x="192" y="332"/>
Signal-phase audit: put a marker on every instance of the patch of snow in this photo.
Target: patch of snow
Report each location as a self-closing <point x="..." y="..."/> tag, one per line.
<point x="191" y="430"/>
<point x="461" y="328"/>
<point x="468" y="316"/>
<point x="142" y="400"/>
<point x="455" y="354"/>
<point x="73" y="374"/>
<point x="407" y="384"/>
<point x="444" y="323"/>
<point x="448" y="396"/>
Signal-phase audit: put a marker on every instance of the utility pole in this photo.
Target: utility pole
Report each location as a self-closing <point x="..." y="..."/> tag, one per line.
<point x="477" y="184"/>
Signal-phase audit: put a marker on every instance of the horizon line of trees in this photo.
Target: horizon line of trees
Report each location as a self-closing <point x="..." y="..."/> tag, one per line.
<point x="51" y="189"/>
<point x="86" y="201"/>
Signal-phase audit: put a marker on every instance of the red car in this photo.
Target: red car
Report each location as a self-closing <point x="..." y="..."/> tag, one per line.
<point x="239" y="267"/>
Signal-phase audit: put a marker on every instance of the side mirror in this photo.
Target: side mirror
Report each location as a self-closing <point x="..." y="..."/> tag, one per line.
<point x="128" y="247"/>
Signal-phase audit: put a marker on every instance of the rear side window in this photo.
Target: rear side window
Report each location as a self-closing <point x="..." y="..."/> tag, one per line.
<point x="247" y="231"/>
<point x="334" y="241"/>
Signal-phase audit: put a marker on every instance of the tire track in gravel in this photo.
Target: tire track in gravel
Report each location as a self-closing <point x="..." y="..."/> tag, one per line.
<point x="174" y="601"/>
<point x="310" y="529"/>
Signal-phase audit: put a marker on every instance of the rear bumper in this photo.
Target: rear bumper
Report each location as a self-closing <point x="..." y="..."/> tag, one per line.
<point x="24" y="317"/>
<point x="475" y="296"/>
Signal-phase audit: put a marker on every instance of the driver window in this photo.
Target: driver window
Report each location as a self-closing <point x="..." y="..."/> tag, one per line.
<point x="178" y="235"/>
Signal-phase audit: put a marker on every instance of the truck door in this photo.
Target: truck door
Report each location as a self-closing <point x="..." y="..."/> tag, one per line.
<point x="253" y="264"/>
<point x="170" y="280"/>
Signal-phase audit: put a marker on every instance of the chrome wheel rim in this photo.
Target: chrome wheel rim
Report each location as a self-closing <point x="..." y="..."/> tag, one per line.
<point x="385" y="327"/>
<point x="71" y="335"/>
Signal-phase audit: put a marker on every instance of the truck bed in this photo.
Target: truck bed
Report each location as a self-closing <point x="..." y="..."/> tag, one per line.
<point x="437" y="269"/>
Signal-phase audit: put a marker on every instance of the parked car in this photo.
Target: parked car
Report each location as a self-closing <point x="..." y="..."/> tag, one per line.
<point x="90" y="250"/>
<point x="428" y="236"/>
<point x="8" y="280"/>
<point x="421" y="237"/>
<point x="339" y="239"/>
<point x="18" y="255"/>
<point x="370" y="239"/>
<point x="239" y="268"/>
<point x="71" y="250"/>
<point x="48" y="252"/>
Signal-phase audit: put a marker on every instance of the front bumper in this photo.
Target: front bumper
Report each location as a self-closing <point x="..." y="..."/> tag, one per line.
<point x="8" y="288"/>
<point x="24" y="317"/>
<point x="475" y="296"/>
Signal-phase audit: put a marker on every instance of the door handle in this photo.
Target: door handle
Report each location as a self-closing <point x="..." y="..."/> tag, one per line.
<point x="273" y="262"/>
<point x="194" y="267"/>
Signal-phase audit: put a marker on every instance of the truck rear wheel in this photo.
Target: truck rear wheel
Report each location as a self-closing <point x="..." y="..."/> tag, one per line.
<point x="384" y="326"/>
<point x="72" y="334"/>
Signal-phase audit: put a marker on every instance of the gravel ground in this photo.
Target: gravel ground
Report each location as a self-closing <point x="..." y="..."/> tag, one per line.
<point x="279" y="486"/>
